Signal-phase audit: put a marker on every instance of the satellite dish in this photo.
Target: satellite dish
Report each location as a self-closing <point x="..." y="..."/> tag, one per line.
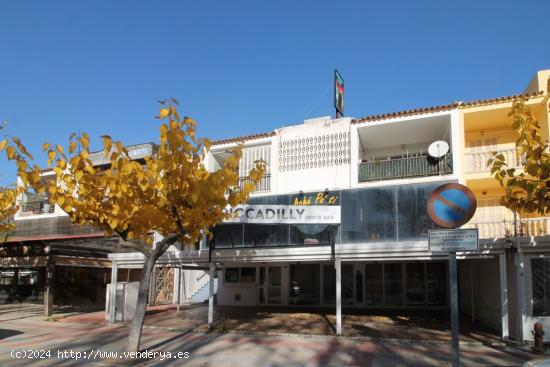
<point x="438" y="149"/>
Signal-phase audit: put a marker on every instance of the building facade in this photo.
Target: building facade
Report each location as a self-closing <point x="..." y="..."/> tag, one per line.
<point x="378" y="174"/>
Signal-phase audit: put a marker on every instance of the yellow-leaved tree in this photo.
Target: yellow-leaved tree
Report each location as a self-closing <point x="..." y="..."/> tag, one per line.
<point x="15" y="151"/>
<point x="172" y="193"/>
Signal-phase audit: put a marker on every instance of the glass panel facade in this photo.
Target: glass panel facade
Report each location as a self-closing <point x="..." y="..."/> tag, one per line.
<point x="347" y="284"/>
<point x="274" y="285"/>
<point x="381" y="214"/>
<point x="305" y="284"/>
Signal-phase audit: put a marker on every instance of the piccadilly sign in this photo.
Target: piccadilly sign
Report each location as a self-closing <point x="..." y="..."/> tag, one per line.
<point x="285" y="214"/>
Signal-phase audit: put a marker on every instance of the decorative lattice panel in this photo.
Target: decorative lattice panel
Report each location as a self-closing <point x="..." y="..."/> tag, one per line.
<point x="164" y="285"/>
<point x="319" y="151"/>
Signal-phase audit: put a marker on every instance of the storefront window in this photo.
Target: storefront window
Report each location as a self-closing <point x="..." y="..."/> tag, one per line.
<point x="347" y="284"/>
<point x="540" y="277"/>
<point x="313" y="234"/>
<point x="232" y="275"/>
<point x="374" y="290"/>
<point x="329" y="284"/>
<point x="416" y="293"/>
<point x="257" y="235"/>
<point x="248" y="275"/>
<point x="393" y="284"/>
<point x="228" y="235"/>
<point x="436" y="283"/>
<point x="304" y="284"/>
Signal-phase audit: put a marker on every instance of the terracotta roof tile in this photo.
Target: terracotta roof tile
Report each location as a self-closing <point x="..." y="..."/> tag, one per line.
<point x="243" y="138"/>
<point x="474" y="103"/>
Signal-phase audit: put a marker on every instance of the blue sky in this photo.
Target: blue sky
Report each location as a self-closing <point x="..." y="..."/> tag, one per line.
<point x="242" y="67"/>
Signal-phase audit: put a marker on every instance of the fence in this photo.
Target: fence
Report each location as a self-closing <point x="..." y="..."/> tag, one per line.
<point x="413" y="166"/>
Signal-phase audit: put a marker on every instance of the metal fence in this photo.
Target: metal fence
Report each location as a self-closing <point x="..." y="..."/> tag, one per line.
<point x="413" y="166"/>
<point x="263" y="185"/>
<point x="63" y="303"/>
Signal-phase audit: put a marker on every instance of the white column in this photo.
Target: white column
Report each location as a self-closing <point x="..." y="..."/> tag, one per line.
<point x="338" y="267"/>
<point x="211" y="297"/>
<point x="112" y="296"/>
<point x="179" y="290"/>
<point x="503" y="296"/>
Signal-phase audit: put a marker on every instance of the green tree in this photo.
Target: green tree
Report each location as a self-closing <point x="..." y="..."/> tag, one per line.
<point x="172" y="194"/>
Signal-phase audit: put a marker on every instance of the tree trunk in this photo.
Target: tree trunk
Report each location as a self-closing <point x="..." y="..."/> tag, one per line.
<point x="143" y="293"/>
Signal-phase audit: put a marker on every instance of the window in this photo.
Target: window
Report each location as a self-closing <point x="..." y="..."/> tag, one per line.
<point x="240" y="275"/>
<point x="232" y="275"/>
<point x="248" y="275"/>
<point x="540" y="273"/>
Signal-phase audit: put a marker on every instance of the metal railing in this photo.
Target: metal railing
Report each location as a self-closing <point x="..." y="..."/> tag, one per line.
<point x="412" y="166"/>
<point x="527" y="227"/>
<point x="477" y="162"/>
<point x="36" y="207"/>
<point x="263" y="185"/>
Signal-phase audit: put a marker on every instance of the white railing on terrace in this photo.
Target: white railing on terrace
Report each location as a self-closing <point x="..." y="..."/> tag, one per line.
<point x="527" y="227"/>
<point x="477" y="162"/>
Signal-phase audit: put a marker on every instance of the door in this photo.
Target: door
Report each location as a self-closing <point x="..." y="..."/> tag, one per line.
<point x="270" y="285"/>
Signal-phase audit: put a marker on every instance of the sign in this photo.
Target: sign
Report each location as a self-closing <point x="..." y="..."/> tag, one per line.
<point x="285" y="214"/>
<point x="338" y="92"/>
<point x="451" y="205"/>
<point x="453" y="240"/>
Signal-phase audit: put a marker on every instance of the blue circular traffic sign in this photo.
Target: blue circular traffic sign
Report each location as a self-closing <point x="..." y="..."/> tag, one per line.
<point x="451" y="205"/>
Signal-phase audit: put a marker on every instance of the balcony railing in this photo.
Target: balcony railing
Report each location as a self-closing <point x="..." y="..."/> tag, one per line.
<point x="406" y="167"/>
<point x="262" y="186"/>
<point x="527" y="227"/>
<point x="36" y="207"/>
<point x="477" y="162"/>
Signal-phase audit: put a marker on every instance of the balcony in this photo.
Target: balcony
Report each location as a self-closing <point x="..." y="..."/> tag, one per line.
<point x="263" y="186"/>
<point x="406" y="167"/>
<point x="527" y="227"/>
<point x="29" y="208"/>
<point x="477" y="162"/>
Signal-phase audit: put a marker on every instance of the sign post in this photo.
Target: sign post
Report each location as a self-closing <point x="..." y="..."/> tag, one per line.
<point x="450" y="206"/>
<point x="338" y="94"/>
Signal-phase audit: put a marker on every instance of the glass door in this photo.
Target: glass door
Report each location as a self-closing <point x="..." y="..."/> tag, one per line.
<point x="269" y="285"/>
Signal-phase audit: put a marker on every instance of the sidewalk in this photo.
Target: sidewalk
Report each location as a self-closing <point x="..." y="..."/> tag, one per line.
<point x="235" y="348"/>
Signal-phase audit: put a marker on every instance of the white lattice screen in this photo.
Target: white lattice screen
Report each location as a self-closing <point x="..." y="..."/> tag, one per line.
<point x="315" y="151"/>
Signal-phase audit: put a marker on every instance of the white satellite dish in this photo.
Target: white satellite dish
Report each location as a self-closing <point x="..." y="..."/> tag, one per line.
<point x="438" y="149"/>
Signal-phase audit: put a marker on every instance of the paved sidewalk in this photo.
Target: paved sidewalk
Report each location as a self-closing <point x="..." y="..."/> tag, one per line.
<point x="233" y="349"/>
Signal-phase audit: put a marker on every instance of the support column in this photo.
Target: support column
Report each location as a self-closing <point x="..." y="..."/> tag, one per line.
<point x="179" y="290"/>
<point x="112" y="295"/>
<point x="472" y="294"/>
<point x="48" y="294"/>
<point x="211" y="297"/>
<point x="338" y="267"/>
<point x="503" y="296"/>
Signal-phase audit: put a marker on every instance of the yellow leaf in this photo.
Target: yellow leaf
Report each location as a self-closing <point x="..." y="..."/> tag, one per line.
<point x="10" y="151"/>
<point x="3" y="144"/>
<point x="51" y="155"/>
<point x="72" y="147"/>
<point x="164" y="113"/>
<point x="45" y="146"/>
<point x="59" y="149"/>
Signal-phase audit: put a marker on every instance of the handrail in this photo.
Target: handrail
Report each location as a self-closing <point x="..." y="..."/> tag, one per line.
<point x="405" y="167"/>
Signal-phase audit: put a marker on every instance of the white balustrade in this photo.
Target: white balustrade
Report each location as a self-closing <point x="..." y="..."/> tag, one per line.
<point x="527" y="227"/>
<point x="477" y="161"/>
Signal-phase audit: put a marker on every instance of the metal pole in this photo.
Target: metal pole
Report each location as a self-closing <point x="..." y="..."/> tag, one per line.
<point x="112" y="296"/>
<point x="211" y="298"/>
<point x="455" y="357"/>
<point x="338" y="267"/>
